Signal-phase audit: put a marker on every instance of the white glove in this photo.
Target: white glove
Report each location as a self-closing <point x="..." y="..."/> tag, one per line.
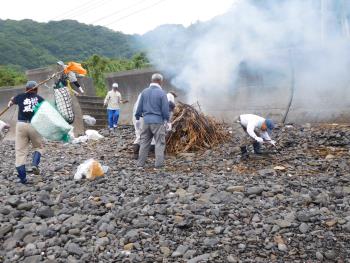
<point x="168" y="126"/>
<point x="259" y="140"/>
<point x="138" y="124"/>
<point x="272" y="142"/>
<point x="81" y="90"/>
<point x="10" y="103"/>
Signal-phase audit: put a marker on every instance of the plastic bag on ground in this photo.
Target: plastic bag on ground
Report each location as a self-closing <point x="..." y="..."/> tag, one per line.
<point x="89" y="120"/>
<point x="4" y="127"/>
<point x="80" y="139"/>
<point x="90" y="169"/>
<point x="93" y="135"/>
<point x="50" y="124"/>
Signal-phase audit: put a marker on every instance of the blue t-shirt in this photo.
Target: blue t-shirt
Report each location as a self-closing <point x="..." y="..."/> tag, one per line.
<point x="26" y="103"/>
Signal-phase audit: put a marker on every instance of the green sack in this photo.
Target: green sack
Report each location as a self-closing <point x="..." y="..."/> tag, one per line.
<point x="49" y="123"/>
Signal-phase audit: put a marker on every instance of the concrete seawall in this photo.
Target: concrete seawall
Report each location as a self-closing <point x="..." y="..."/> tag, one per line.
<point x="285" y="99"/>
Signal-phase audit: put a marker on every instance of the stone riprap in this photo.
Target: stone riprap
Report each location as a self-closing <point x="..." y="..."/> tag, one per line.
<point x="292" y="206"/>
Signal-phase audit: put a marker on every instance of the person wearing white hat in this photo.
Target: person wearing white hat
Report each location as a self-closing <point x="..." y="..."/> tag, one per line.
<point x="112" y="101"/>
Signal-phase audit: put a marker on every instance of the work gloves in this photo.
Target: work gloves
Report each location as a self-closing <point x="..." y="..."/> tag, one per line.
<point x="272" y="142"/>
<point x="261" y="140"/>
<point x="10" y="103"/>
<point x="168" y="126"/>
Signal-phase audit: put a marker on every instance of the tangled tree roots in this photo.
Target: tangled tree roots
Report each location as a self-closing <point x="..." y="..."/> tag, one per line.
<point x="193" y="131"/>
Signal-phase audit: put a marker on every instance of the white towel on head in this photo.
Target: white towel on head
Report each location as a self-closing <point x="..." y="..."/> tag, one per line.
<point x="171" y="97"/>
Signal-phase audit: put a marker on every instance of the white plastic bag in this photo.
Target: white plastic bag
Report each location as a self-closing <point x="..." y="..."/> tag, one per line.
<point x="50" y="124"/>
<point x="93" y="135"/>
<point x="89" y="120"/>
<point x="4" y="127"/>
<point x="90" y="169"/>
<point x="80" y="139"/>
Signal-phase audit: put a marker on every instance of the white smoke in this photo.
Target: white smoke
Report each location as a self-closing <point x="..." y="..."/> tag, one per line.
<point x="307" y="40"/>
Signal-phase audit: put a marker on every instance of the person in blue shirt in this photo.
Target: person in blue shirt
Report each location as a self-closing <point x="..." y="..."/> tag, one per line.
<point x="154" y="108"/>
<point x="25" y="133"/>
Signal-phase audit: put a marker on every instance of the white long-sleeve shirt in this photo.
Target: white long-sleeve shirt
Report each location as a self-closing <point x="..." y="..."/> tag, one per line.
<point x="113" y="100"/>
<point x="252" y="122"/>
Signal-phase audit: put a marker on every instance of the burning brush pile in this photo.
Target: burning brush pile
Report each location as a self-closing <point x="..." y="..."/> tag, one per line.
<point x="193" y="131"/>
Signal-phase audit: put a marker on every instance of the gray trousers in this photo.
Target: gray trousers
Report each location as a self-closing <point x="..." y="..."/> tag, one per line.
<point x="148" y="132"/>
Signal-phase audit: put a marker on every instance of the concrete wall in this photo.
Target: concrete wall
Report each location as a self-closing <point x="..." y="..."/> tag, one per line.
<point x="131" y="83"/>
<point x="282" y="95"/>
<point x="249" y="96"/>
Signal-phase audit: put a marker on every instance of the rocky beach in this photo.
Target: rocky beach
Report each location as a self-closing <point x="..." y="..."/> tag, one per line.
<point x="290" y="205"/>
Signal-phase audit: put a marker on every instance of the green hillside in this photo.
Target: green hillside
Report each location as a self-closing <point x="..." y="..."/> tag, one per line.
<point x="30" y="44"/>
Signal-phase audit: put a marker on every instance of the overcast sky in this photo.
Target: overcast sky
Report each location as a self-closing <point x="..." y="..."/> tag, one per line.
<point x="128" y="16"/>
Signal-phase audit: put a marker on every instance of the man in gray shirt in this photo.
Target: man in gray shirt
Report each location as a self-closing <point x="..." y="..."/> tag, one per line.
<point x="154" y="108"/>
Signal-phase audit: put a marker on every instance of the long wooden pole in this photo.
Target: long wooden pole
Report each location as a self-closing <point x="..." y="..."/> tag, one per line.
<point x="35" y="87"/>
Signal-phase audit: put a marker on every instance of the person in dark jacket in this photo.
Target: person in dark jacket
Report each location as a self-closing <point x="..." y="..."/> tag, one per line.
<point x="25" y="133"/>
<point x="154" y="108"/>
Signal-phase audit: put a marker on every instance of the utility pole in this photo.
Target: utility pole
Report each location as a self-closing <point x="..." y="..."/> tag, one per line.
<point x="344" y="18"/>
<point x="322" y="4"/>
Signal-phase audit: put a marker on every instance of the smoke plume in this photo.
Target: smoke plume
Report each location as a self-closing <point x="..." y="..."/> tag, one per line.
<point x="265" y="44"/>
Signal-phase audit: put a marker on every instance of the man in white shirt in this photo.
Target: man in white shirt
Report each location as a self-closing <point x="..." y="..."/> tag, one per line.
<point x="254" y="129"/>
<point x="113" y="100"/>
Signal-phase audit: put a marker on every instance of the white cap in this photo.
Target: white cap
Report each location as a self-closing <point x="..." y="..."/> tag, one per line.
<point x="115" y="85"/>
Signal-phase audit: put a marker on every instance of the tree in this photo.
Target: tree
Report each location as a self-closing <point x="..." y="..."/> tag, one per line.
<point x="30" y="44"/>
<point x="10" y="76"/>
<point x="98" y="66"/>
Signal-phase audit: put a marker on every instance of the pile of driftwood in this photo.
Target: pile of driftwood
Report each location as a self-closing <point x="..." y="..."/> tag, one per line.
<point x="193" y="131"/>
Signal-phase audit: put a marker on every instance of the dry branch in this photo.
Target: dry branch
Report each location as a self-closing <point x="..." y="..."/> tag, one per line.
<point x="193" y="131"/>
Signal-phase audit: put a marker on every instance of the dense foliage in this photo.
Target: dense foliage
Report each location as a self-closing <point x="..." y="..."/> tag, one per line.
<point x="30" y="44"/>
<point x="98" y="66"/>
<point x="10" y="76"/>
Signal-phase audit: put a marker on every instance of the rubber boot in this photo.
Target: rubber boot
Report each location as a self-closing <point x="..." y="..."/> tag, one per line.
<point x="257" y="148"/>
<point x="136" y="148"/>
<point x="152" y="150"/>
<point x="22" y="174"/>
<point x="244" y="152"/>
<point x="35" y="163"/>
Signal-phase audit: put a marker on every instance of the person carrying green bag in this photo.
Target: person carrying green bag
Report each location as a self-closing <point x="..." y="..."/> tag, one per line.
<point x="25" y="132"/>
